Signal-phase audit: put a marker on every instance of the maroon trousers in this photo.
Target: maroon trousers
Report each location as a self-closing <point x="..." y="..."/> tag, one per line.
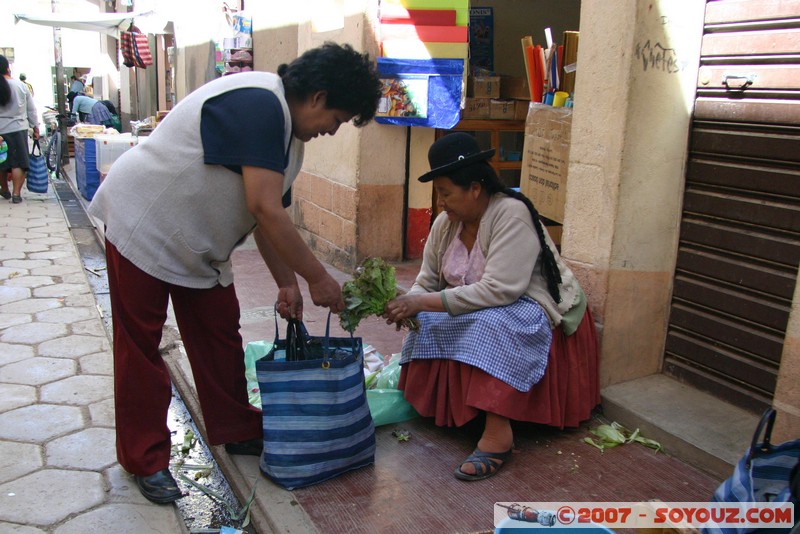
<point x="208" y="320"/>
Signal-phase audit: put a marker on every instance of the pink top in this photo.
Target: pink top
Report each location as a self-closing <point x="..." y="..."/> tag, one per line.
<point x="461" y="266"/>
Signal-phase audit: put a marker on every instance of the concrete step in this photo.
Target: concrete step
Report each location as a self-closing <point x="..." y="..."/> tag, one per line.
<point x="693" y="426"/>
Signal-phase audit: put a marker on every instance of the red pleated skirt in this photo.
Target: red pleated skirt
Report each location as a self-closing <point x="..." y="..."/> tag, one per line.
<point x="454" y="393"/>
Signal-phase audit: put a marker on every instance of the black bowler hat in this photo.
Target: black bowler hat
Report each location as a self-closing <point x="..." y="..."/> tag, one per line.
<point x="452" y="152"/>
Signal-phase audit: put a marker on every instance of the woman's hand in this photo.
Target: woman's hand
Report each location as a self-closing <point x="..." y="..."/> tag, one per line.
<point x="326" y="292"/>
<point x="405" y="306"/>
<point x="290" y="303"/>
<point x="401" y="308"/>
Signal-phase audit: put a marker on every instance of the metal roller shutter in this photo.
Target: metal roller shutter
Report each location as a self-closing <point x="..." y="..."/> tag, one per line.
<point x="740" y="232"/>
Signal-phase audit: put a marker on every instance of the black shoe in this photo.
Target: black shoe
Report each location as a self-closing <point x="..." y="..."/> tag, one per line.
<point x="16" y="199"/>
<point x="159" y="487"/>
<point x="251" y="447"/>
<point x="5" y="194"/>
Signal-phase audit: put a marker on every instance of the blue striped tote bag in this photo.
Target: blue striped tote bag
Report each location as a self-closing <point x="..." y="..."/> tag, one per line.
<point x="766" y="473"/>
<point x="316" y="420"/>
<point x="37" y="178"/>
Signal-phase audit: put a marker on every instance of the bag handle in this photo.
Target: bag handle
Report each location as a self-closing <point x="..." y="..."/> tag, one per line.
<point x="297" y="337"/>
<point x="36" y="147"/>
<point x="767" y="420"/>
<point x="294" y="342"/>
<point x="326" y="345"/>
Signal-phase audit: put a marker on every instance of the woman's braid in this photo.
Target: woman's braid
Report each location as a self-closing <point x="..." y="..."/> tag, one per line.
<point x="488" y="178"/>
<point x="549" y="265"/>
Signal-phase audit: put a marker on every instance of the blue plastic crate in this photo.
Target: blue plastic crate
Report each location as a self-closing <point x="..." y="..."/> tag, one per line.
<point x="86" y="174"/>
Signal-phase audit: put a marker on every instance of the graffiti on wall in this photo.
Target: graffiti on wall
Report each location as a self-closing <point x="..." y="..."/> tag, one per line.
<point x="656" y="57"/>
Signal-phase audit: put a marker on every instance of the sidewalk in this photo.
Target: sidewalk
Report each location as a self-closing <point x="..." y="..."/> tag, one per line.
<point x="58" y="468"/>
<point x="58" y="471"/>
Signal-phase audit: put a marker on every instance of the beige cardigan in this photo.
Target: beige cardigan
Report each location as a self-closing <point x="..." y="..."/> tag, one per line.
<point x="509" y="242"/>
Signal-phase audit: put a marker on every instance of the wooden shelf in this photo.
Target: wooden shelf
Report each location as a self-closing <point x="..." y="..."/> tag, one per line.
<point x="506" y="137"/>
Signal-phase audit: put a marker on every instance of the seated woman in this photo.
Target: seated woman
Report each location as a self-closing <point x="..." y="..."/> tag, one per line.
<point x="504" y="326"/>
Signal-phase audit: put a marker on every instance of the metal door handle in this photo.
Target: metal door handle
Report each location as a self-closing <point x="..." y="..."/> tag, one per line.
<point x="738" y="82"/>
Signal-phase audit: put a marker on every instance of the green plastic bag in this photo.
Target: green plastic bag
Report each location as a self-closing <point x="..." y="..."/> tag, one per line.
<point x="254" y="351"/>
<point x="388" y="406"/>
<point x="386" y="403"/>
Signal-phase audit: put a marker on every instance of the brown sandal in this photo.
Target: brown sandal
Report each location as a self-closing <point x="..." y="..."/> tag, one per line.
<point x="487" y="464"/>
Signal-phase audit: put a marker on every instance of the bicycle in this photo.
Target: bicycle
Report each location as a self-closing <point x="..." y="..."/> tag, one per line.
<point x="53" y="148"/>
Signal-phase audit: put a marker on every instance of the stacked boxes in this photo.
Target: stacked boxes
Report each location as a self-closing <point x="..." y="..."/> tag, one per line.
<point x="480" y="91"/>
<point x="487" y="99"/>
<point x="483" y="87"/>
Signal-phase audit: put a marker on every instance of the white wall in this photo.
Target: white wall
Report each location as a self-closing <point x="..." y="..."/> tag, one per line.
<point x="33" y="44"/>
<point x="634" y="94"/>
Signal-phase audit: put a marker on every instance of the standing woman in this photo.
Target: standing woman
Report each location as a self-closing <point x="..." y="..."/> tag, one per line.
<point x="17" y="113"/>
<point x="217" y="169"/>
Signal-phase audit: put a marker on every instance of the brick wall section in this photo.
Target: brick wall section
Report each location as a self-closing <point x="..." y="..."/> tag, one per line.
<point x="324" y="213"/>
<point x="343" y="225"/>
<point x="380" y="222"/>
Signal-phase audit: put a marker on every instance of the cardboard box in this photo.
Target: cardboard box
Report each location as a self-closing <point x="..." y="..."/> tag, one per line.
<point x="556" y="232"/>
<point x="514" y="87"/>
<point x="476" y="108"/>
<point x="484" y="87"/>
<point x="545" y="159"/>
<point x="521" y="109"/>
<point x="502" y="109"/>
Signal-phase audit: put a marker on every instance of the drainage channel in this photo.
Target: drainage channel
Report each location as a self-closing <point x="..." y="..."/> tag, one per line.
<point x="209" y="504"/>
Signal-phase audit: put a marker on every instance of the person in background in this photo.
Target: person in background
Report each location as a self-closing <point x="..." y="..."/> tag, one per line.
<point x="505" y="332"/>
<point x="111" y="119"/>
<point x="24" y="79"/>
<point x="172" y="219"/>
<point x="17" y="114"/>
<point x="5" y="176"/>
<point x="92" y="111"/>
<point x="82" y="106"/>
<point x="76" y="84"/>
<point x="76" y="87"/>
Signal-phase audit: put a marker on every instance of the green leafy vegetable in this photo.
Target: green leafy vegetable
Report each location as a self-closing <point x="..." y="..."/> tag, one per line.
<point x="609" y="436"/>
<point x="373" y="285"/>
<point x="401" y="434"/>
<point x="369" y="382"/>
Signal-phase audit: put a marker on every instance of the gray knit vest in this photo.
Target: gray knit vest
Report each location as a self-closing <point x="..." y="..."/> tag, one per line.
<point x="172" y="215"/>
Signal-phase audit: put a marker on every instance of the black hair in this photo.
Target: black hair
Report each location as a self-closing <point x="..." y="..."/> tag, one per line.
<point x="485" y="175"/>
<point x="350" y="79"/>
<point x="5" y="88"/>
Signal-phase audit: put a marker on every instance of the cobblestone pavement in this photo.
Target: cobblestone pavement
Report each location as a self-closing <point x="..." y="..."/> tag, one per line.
<point x="58" y="468"/>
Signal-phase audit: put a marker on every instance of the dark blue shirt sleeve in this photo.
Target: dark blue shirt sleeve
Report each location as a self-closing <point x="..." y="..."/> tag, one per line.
<point x="245" y="127"/>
